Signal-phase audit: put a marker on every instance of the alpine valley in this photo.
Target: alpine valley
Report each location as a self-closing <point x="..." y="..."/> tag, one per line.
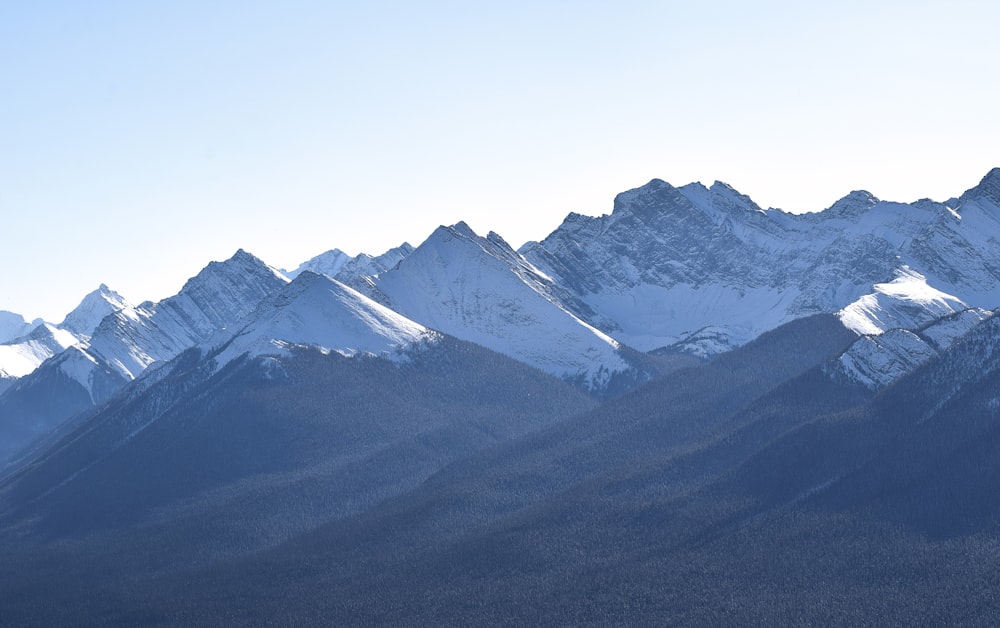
<point x="691" y="410"/>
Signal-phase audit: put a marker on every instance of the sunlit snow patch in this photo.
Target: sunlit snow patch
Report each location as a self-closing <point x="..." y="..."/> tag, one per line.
<point x="23" y="355"/>
<point x="906" y="302"/>
<point x="317" y="311"/>
<point x="875" y="361"/>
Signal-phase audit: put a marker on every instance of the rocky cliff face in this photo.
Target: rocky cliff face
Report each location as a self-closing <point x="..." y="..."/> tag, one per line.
<point x="61" y="373"/>
<point x="219" y="296"/>
<point x="670" y="262"/>
<point x="479" y="289"/>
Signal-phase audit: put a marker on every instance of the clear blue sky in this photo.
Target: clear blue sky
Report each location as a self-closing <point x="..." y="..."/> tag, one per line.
<point x="140" y="140"/>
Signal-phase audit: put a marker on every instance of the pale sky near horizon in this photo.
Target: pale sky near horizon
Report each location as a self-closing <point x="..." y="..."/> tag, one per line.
<point x="141" y="140"/>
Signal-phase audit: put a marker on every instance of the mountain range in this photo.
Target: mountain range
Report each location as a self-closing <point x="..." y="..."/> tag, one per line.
<point x="672" y="413"/>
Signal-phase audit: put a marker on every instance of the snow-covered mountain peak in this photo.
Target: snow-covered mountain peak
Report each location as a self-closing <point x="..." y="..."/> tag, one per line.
<point x="241" y="263"/>
<point x="853" y="205"/>
<point x="574" y="218"/>
<point x="727" y="198"/>
<point x="460" y="239"/>
<point x="481" y="290"/>
<point x="358" y="271"/>
<point x="447" y="245"/>
<point x="12" y="326"/>
<point x="671" y="261"/>
<point x="85" y="318"/>
<point x="444" y="234"/>
<point x="318" y="311"/>
<point x="249" y="262"/>
<point x="459" y="244"/>
<point x="653" y="196"/>
<point x="462" y="229"/>
<point x="131" y="339"/>
<point x="222" y="287"/>
<point x="328" y="263"/>
<point x="988" y="189"/>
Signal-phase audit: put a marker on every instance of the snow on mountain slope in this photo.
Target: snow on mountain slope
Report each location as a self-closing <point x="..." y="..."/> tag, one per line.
<point x="35" y="405"/>
<point x="219" y="296"/>
<point x="80" y="373"/>
<point x="85" y="318"/>
<point x="342" y="267"/>
<point x="14" y="326"/>
<point x="328" y="263"/>
<point x="21" y="356"/>
<point x="969" y="360"/>
<point x="662" y="266"/>
<point x="79" y="366"/>
<point x="670" y="262"/>
<point x="906" y="302"/>
<point x="315" y="310"/>
<point x="479" y="289"/>
<point x="877" y="360"/>
<point x="944" y="332"/>
<point x="358" y="271"/>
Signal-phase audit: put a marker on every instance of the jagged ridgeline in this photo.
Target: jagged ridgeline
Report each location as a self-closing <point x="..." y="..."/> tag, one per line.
<point x="691" y="410"/>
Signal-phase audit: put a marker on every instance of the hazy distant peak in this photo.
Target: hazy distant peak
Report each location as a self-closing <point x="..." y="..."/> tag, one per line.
<point x="12" y="325"/>
<point x="85" y="318"/>
<point x="328" y="263"/>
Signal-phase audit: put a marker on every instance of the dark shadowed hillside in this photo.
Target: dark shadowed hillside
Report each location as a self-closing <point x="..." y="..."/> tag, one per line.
<point x="190" y="471"/>
<point x="755" y="488"/>
<point x="549" y="504"/>
<point x="807" y="503"/>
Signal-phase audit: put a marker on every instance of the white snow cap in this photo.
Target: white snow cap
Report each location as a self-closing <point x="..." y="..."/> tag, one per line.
<point x="85" y="318"/>
<point x="318" y="311"/>
<point x="481" y="290"/>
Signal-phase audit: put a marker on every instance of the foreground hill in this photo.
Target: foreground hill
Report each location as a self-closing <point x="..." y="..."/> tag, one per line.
<point x="220" y="453"/>
<point x="249" y="462"/>
<point x="787" y="499"/>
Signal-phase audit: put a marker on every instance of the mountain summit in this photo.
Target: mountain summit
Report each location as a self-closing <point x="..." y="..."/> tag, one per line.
<point x="62" y="373"/>
<point x="987" y="191"/>
<point x="669" y="263"/>
<point x="85" y="318"/>
<point x="220" y="295"/>
<point x="479" y="289"/>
